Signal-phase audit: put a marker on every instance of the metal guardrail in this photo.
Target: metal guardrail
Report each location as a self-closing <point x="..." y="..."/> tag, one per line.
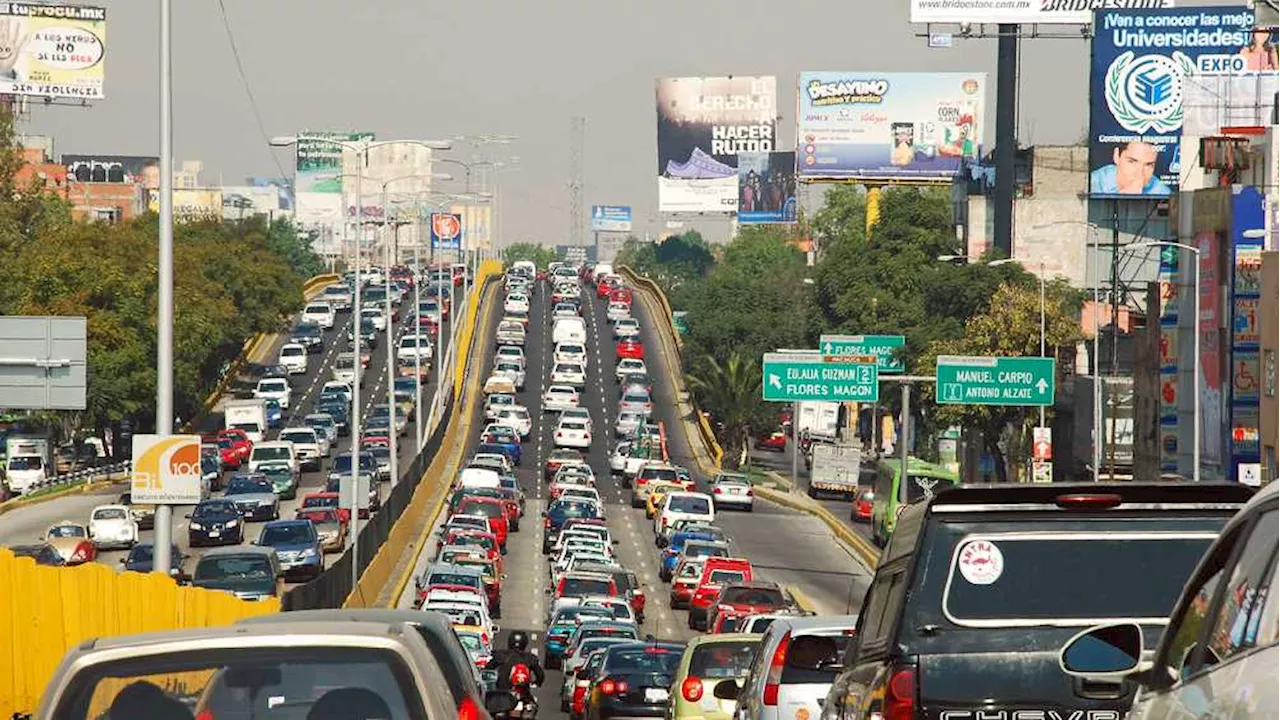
<point x="77" y="477"/>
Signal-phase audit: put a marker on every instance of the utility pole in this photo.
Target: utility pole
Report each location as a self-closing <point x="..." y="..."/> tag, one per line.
<point x="1006" y="135"/>
<point x="577" y="133"/>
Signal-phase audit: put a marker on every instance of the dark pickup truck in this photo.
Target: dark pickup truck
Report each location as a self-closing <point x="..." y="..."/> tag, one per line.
<point x="981" y="585"/>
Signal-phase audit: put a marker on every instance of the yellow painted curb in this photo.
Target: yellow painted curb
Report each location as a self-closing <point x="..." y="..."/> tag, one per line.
<point x="869" y="554"/>
<point x="803" y="601"/>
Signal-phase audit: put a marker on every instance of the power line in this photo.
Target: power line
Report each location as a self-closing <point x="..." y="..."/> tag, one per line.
<point x="244" y="82"/>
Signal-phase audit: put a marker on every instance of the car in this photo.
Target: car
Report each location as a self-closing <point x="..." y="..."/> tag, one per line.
<point x="564" y="309"/>
<point x="375" y="315"/>
<point x="320" y="313"/>
<point x="731" y="490"/>
<point x="558" y="398"/>
<point x="961" y="549"/>
<point x="72" y="542"/>
<point x="112" y="527"/>
<point x="330" y="527"/>
<point x="634" y="681"/>
<point x="345" y="372"/>
<point x="496" y="403"/>
<point x="572" y="433"/>
<point x="561" y="457"/>
<point x="516" y="302"/>
<point x="863" y="500"/>
<point x="297" y="546"/>
<point x="368" y="334"/>
<point x="415" y="347"/>
<point x="215" y="522"/>
<point x="628" y="366"/>
<point x="505" y="441"/>
<point x="570" y="352"/>
<point x="518" y="418"/>
<point x="638" y="380"/>
<point x="569" y="374"/>
<point x="562" y="623"/>
<point x="511" y="353"/>
<point x="273" y="452"/>
<point x="627" y="328"/>
<point x="629" y="348"/>
<point x="141" y="558"/>
<point x="636" y="402"/>
<point x="308" y="335"/>
<point x="706" y="662"/>
<point x="775" y="441"/>
<point x="682" y="506"/>
<point x="797" y="660"/>
<point x="325" y="426"/>
<point x="275" y="389"/>
<point x="628" y="423"/>
<point x="513" y="370"/>
<point x="254" y="496"/>
<point x="561" y="511"/>
<point x="338" y="297"/>
<point x="309" y="447"/>
<point x="511" y="332"/>
<point x="294" y="357"/>
<point x="740" y="599"/>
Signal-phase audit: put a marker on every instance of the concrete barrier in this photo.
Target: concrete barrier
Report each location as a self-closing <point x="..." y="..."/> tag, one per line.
<point x="869" y="554"/>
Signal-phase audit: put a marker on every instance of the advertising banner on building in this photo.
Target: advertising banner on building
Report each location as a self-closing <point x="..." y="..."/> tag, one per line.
<point x="127" y="169"/>
<point x="1247" y="213"/>
<point x="446" y="231"/>
<point x="195" y="204"/>
<point x="478" y="220"/>
<point x="611" y="218"/>
<point x="1208" y="324"/>
<point x="1142" y="62"/>
<point x="766" y="188"/>
<point x="1170" y="279"/>
<point x="245" y="201"/>
<point x="703" y="123"/>
<point x="318" y="177"/>
<point x="888" y="126"/>
<point x="1039" y="12"/>
<point x="54" y="51"/>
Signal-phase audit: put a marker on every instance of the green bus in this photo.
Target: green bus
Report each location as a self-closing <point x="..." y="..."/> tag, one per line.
<point x="923" y="478"/>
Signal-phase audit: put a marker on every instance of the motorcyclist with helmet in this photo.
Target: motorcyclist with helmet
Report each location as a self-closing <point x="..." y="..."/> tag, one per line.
<point x="518" y="669"/>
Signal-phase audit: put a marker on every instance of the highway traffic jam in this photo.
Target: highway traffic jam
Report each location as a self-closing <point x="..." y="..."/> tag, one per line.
<point x="580" y="566"/>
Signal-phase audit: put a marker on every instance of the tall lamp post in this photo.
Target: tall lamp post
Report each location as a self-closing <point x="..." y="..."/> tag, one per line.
<point x="362" y="148"/>
<point x="164" y="312"/>
<point x="1195" y="349"/>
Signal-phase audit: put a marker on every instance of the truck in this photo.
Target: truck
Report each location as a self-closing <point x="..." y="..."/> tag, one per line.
<point x="28" y="461"/>
<point x="249" y="415"/>
<point x="820" y="418"/>
<point x="836" y="469"/>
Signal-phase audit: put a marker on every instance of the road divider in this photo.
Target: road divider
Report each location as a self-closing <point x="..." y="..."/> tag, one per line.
<point x="45" y="611"/>
<point x="866" y="552"/>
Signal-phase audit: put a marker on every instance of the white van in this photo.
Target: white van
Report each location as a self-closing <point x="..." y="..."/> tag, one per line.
<point x="320" y="313"/>
<point x="479" y="478"/>
<point x="294" y="357"/>
<point x="569" y="330"/>
<point x="525" y="267"/>
<point x="602" y="269"/>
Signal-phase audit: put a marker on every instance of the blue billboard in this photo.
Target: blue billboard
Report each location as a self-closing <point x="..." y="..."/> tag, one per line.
<point x="611" y="218"/>
<point x="1142" y="60"/>
<point x="766" y="188"/>
<point x="888" y="126"/>
<point x="446" y="230"/>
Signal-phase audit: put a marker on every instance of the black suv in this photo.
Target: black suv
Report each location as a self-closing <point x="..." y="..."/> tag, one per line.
<point x="980" y="586"/>
<point x="308" y="335"/>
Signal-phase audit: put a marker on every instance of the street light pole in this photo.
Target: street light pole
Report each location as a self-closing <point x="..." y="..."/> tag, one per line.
<point x="417" y="342"/>
<point x="357" y="329"/>
<point x="393" y="432"/>
<point x="162" y="560"/>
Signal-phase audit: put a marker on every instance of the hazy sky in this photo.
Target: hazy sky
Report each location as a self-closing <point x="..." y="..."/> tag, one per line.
<point x="406" y="69"/>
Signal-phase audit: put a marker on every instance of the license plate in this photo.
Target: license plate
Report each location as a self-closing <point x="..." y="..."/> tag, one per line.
<point x="735" y="491"/>
<point x="655" y="695"/>
<point x="214" y="533"/>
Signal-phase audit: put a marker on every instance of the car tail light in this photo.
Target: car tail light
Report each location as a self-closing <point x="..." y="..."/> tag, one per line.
<point x="718" y="491"/>
<point x="691" y="689"/>
<point x="468" y="710"/>
<point x="750" y="492"/>
<point x="609" y="686"/>
<point x="205" y="715"/>
<point x="900" y="695"/>
<point x="774" y="678"/>
<point x="81" y="554"/>
<point x="546" y="523"/>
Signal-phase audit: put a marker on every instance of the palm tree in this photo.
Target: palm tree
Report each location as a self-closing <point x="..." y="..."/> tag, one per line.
<point x="730" y="391"/>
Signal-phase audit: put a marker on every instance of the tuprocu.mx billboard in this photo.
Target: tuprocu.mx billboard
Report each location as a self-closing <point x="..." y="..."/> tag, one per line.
<point x="54" y="51"/>
<point x="703" y="123"/>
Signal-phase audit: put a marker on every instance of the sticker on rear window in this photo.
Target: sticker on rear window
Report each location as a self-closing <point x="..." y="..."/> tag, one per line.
<point x="981" y="562"/>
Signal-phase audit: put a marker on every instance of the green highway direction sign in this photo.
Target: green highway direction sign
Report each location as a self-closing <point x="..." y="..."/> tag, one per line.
<point x="995" y="380"/>
<point x="801" y="376"/>
<point x="882" y="346"/>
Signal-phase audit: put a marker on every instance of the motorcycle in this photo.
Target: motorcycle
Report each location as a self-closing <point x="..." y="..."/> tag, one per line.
<point x="521" y="682"/>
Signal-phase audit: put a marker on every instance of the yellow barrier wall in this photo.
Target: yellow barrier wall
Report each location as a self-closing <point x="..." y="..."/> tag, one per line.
<point x="45" y="611"/>
<point x="487" y="269"/>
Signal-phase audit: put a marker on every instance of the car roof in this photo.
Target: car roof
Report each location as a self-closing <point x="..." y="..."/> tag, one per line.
<point x="699" y="640"/>
<point x="295" y="631"/>
<point x="242" y="550"/>
<point x="801" y="624"/>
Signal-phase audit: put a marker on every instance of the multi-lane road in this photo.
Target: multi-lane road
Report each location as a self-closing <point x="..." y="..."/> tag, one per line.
<point x="27" y="525"/>
<point x="810" y="559"/>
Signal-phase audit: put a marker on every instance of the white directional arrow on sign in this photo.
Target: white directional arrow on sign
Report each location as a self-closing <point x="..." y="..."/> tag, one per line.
<point x="1042" y="386"/>
<point x="826" y="349"/>
<point x="775" y="381"/>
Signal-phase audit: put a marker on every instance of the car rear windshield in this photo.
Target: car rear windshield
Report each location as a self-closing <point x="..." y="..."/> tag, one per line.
<point x="489" y="510"/>
<point x="295" y="534"/>
<point x="667" y="474"/>
<point x="753" y="596"/>
<point x="706" y="551"/>
<point x="688" y="504"/>
<point x="578" y="587"/>
<point x="723" y="659"/>
<point x="724" y="577"/>
<point x="654" y="659"/>
<point x="575" y="509"/>
<point x="448" y="578"/>
<point x="814" y="659"/>
<point x="1023" y="577"/>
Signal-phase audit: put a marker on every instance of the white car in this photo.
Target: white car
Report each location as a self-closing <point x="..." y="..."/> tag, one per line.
<point x="732" y="490"/>
<point x="112" y="526"/>
<point x="626" y="328"/>
<point x="321" y="313"/>
<point x="636" y="402"/>
<point x="294" y="357"/>
<point x="567" y="352"/>
<point x="628" y="424"/>
<point x="626" y="366"/>
<point x="578" y="413"/>
<point x="344" y="371"/>
<point x="564" y="310"/>
<point x="618" y="311"/>
<point x="618" y="460"/>
<point x="572" y="434"/>
<point x="338" y="386"/>
<point x="559" y="398"/>
<point x="412" y="347"/>
<point x="516" y="302"/>
<point x="308" y="446"/>
<point x="511" y="353"/>
<point x="569" y="374"/>
<point x="376" y="316"/>
<point x="274" y="389"/>
<point x="495" y="404"/>
<point x="513" y="370"/>
<point x="683" y="506"/>
<point x="517" y="416"/>
<point x="495" y="458"/>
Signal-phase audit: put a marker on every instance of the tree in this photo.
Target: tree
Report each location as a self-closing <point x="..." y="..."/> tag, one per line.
<point x="730" y="391"/>
<point x="1009" y="326"/>
<point x="537" y="254"/>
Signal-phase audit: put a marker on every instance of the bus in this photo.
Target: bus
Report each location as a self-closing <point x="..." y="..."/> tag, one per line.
<point x="923" y="480"/>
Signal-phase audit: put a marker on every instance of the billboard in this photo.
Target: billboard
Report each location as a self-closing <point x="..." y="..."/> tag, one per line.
<point x="1142" y="63"/>
<point x="446" y="231"/>
<point x="478" y="221"/>
<point x="318" y="176"/>
<point x="766" y="188"/>
<point x="52" y="50"/>
<point x="166" y="470"/>
<point x="126" y="169"/>
<point x="1041" y="12"/>
<point x="1247" y="213"/>
<point x="888" y="126"/>
<point x="244" y="201"/>
<point x="703" y="123"/>
<point x="611" y="218"/>
<point x="196" y="204"/>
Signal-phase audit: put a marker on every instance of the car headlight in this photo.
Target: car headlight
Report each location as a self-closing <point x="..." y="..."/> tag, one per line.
<point x="196" y="526"/>
<point x="309" y="553"/>
<point x="233" y="523"/>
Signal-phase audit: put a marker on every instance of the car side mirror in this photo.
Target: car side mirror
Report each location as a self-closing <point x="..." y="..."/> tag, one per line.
<point x="616" y="541"/>
<point x="123" y="560"/>
<point x="726" y="690"/>
<point x="546" y="591"/>
<point x="1103" y="653"/>
<point x="188" y="516"/>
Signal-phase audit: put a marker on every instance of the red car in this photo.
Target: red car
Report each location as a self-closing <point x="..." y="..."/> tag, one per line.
<point x="630" y="348"/>
<point x="227" y="452"/>
<point x="862" y="502"/>
<point x="240" y="442"/>
<point x="620" y="295"/>
<point x="750" y="598"/>
<point x="776" y="441"/>
<point x="326" y="500"/>
<point x="485" y="542"/>
<point x="494" y="510"/>
<point x="717" y="573"/>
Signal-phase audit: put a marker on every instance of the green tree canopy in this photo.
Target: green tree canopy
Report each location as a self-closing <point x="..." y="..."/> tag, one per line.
<point x="540" y="255"/>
